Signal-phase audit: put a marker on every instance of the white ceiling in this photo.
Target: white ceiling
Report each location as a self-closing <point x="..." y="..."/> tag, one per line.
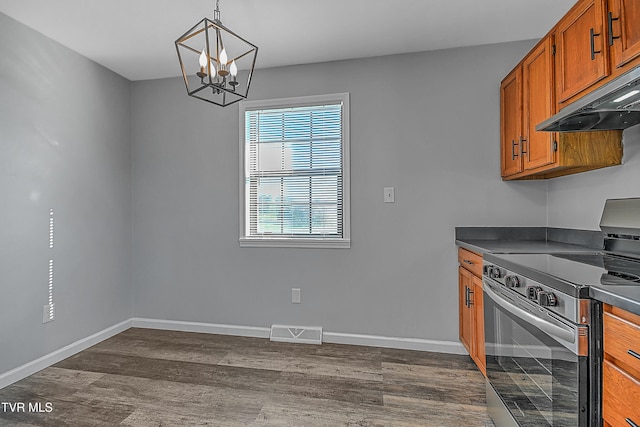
<point x="135" y="38"/>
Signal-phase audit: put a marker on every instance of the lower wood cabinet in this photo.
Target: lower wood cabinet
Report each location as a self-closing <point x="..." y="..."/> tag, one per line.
<point x="621" y="368"/>
<point x="471" y="306"/>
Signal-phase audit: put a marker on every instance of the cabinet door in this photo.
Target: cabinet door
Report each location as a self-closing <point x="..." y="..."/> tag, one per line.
<point x="624" y="27"/>
<point x="478" y="325"/>
<point x="465" y="285"/>
<point x="582" y="56"/>
<point x="538" y="105"/>
<point x="511" y="123"/>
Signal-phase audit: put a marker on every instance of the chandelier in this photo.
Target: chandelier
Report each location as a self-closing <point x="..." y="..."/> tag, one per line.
<point x="216" y="63"/>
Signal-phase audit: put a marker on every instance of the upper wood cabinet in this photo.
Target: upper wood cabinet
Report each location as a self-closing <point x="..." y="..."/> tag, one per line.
<point x="582" y="56"/>
<point x="526" y="96"/>
<point x="511" y="123"/>
<point x="623" y="25"/>
<point x="594" y="42"/>
<point x="538" y="105"/>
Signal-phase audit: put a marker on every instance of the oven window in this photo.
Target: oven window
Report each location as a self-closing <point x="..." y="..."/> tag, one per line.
<point x="536" y="377"/>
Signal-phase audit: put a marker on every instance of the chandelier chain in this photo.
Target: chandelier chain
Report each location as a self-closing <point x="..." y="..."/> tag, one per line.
<point x="216" y="13"/>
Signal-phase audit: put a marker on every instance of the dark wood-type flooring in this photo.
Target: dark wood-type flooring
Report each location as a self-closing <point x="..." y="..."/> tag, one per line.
<point x="145" y="377"/>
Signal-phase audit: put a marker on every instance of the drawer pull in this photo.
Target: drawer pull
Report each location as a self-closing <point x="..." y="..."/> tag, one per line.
<point x="634" y="354"/>
<point x="466" y="261"/>
<point x="631" y="423"/>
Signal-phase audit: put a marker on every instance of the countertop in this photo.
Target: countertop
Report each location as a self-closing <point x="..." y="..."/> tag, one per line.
<point x="624" y="297"/>
<point x="520" y="246"/>
<point x="514" y="240"/>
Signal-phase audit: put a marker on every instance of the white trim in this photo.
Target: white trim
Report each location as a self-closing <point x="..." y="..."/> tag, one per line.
<point x="301" y="101"/>
<point x="451" y="347"/>
<point x="30" y="368"/>
<point x="294" y="243"/>
<point x="206" y="328"/>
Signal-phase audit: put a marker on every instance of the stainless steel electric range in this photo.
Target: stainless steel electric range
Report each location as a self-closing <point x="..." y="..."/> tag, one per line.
<point x="543" y="332"/>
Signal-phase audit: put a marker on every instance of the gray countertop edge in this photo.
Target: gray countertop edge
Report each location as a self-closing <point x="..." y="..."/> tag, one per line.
<point x="593" y="240"/>
<point x="617" y="297"/>
<point x="520" y="246"/>
<point x="471" y="247"/>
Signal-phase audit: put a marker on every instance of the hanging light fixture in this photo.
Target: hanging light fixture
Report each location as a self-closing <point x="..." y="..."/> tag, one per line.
<point x="216" y="63"/>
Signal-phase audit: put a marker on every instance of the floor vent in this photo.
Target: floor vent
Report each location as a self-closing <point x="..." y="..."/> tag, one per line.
<point x="300" y="334"/>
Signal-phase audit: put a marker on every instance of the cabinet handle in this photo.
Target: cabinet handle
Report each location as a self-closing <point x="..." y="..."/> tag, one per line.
<point x="466" y="261"/>
<point x="522" y="151"/>
<point x="631" y="423"/>
<point x="610" y="22"/>
<point x="470" y="293"/>
<point x="634" y="354"/>
<point x="466" y="296"/>
<point x="593" y="35"/>
<point x="513" y="149"/>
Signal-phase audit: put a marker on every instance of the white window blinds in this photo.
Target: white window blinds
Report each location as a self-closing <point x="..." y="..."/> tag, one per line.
<point x="294" y="168"/>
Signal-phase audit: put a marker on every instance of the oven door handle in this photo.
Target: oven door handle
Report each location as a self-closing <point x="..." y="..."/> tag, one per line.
<point x="562" y="333"/>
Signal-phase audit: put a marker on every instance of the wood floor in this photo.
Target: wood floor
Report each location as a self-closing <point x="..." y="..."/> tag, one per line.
<point x="145" y="377"/>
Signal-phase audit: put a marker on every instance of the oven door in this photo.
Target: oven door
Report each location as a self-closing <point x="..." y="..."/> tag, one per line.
<point x="534" y="364"/>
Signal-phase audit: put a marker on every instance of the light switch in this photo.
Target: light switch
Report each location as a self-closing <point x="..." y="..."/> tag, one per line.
<point x="389" y="195"/>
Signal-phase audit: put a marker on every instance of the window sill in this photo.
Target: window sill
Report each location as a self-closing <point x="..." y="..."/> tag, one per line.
<point x="295" y="243"/>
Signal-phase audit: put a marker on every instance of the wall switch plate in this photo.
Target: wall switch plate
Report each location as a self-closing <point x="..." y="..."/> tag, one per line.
<point x="48" y="313"/>
<point x="389" y="195"/>
<point x="295" y="295"/>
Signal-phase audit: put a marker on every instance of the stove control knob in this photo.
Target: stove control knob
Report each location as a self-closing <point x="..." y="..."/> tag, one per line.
<point x="533" y="291"/>
<point x="495" y="273"/>
<point x="547" y="299"/>
<point x="512" y="281"/>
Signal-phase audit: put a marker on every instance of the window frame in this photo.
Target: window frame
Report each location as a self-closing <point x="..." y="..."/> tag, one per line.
<point x="287" y="241"/>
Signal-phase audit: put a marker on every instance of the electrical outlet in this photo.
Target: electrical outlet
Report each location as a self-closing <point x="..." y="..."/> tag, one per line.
<point x="48" y="313"/>
<point x="295" y="295"/>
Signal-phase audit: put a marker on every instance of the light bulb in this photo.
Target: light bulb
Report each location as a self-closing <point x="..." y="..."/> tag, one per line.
<point x="203" y="59"/>
<point x="233" y="68"/>
<point x="223" y="57"/>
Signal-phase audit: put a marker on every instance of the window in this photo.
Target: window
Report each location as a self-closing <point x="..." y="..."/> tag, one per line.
<point x="295" y="172"/>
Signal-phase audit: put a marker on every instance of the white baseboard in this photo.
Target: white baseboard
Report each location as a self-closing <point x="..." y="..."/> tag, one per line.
<point x="30" y="368"/>
<point x="330" y="337"/>
<point x="206" y="328"/>
<point x="45" y="361"/>
<point x="450" y="347"/>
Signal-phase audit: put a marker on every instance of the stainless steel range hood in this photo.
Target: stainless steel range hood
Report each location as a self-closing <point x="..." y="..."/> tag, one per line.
<point x="616" y="105"/>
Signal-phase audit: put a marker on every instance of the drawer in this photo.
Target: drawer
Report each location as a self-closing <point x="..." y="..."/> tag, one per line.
<point x="620" y="396"/>
<point x="470" y="260"/>
<point x="622" y="342"/>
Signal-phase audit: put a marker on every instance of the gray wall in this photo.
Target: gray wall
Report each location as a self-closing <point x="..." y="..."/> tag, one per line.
<point x="576" y="201"/>
<point x="64" y="144"/>
<point x="427" y="124"/>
